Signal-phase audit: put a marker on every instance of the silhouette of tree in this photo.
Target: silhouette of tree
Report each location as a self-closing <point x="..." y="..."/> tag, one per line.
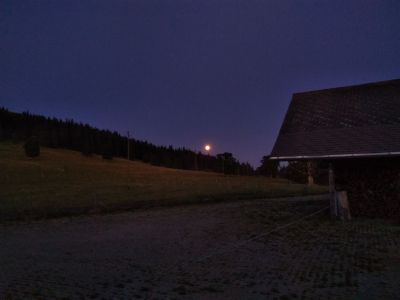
<point x="32" y="147"/>
<point x="268" y="167"/>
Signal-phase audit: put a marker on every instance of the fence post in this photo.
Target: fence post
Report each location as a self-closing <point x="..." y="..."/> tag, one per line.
<point x="343" y="206"/>
<point x="332" y="192"/>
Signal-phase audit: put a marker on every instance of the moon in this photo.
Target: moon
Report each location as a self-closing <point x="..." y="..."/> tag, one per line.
<point x="207" y="147"/>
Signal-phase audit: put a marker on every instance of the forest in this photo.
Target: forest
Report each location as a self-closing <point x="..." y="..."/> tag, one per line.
<point x="68" y="134"/>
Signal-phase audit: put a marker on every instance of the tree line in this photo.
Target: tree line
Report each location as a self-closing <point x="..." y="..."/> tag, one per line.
<point x="68" y="134"/>
<point x="296" y="171"/>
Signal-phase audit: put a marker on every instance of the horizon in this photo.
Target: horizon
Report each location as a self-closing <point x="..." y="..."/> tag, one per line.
<point x="189" y="73"/>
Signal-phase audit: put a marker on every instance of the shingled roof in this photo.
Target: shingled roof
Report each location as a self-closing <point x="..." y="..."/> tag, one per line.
<point x="359" y="120"/>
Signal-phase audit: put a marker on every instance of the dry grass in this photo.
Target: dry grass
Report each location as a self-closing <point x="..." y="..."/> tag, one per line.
<point x="62" y="182"/>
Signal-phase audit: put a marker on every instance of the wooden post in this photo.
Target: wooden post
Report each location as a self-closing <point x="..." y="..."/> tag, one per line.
<point x="343" y="206"/>
<point x="310" y="173"/>
<point x="332" y="192"/>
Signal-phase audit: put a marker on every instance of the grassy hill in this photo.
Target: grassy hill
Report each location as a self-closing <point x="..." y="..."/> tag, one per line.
<point x="62" y="182"/>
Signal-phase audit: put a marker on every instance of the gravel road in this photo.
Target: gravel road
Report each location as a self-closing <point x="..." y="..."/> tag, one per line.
<point x="215" y="251"/>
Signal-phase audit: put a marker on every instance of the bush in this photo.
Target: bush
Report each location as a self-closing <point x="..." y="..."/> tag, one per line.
<point x="107" y="152"/>
<point x="32" y="147"/>
<point x="87" y="149"/>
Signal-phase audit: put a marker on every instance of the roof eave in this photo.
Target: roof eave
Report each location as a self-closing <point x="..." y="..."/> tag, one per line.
<point x="335" y="156"/>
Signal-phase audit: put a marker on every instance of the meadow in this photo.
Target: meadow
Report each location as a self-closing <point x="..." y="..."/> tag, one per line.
<point x="62" y="182"/>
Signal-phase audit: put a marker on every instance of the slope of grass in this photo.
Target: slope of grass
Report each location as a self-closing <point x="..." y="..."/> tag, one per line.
<point x="62" y="182"/>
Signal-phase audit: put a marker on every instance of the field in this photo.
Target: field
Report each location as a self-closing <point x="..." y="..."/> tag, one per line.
<point x="62" y="182"/>
<point x="265" y="247"/>
<point x="258" y="249"/>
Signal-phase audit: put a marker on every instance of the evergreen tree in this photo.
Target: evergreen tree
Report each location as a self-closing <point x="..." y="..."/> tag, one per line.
<point x="268" y="167"/>
<point x="295" y="171"/>
<point x="32" y="147"/>
<point x="107" y="152"/>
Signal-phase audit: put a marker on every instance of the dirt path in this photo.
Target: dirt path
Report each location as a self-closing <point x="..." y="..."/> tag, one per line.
<point x="201" y="252"/>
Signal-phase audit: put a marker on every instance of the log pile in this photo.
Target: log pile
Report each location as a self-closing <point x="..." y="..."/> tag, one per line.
<point x="373" y="186"/>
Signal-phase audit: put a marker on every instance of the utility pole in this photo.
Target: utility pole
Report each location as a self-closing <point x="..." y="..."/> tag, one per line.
<point x="129" y="150"/>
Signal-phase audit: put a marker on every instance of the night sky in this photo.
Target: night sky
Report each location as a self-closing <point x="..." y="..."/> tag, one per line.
<point x="188" y="72"/>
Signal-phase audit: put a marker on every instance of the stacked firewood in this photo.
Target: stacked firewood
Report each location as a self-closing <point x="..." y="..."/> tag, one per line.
<point x="373" y="186"/>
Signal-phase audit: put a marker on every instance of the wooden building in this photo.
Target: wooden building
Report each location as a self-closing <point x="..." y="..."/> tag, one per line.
<point x="355" y="130"/>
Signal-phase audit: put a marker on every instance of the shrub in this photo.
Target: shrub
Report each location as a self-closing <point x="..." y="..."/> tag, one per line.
<point x="107" y="151"/>
<point x="32" y="147"/>
<point x="87" y="149"/>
